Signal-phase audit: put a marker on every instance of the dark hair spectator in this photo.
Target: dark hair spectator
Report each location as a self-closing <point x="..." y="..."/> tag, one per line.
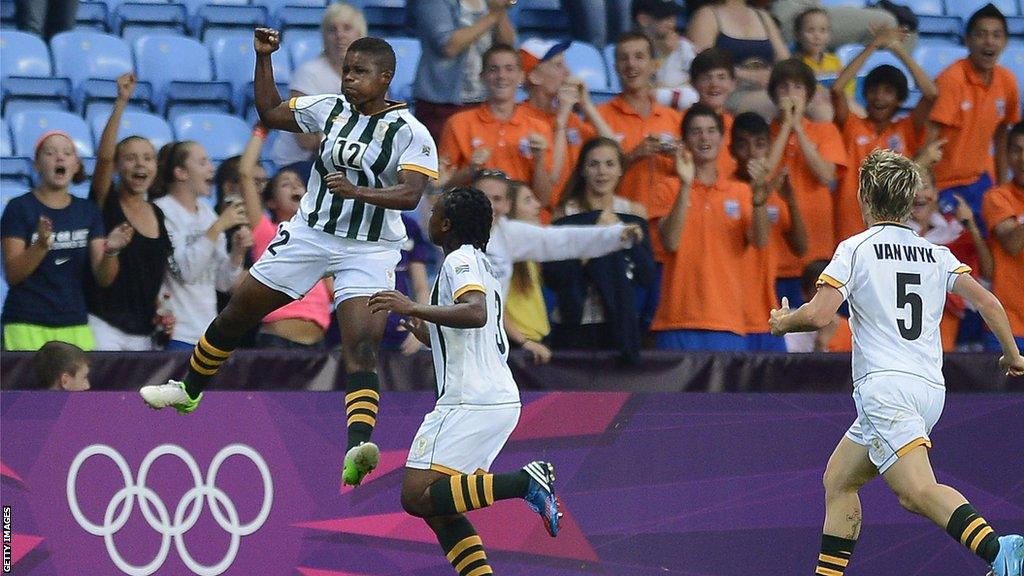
<point x="61" y="366"/>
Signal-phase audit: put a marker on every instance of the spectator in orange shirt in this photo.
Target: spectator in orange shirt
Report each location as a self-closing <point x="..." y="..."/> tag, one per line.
<point x="835" y="337"/>
<point x="647" y="131"/>
<point x="499" y="133"/>
<point x="816" y="160"/>
<point x="885" y="90"/>
<point x="714" y="76"/>
<point x="554" y="98"/>
<point x="978" y="101"/>
<point x="750" y="145"/>
<point x="1003" y="208"/>
<point x="705" y="236"/>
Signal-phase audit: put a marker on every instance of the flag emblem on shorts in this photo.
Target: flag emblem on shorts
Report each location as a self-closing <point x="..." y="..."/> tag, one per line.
<point x="462" y="268"/>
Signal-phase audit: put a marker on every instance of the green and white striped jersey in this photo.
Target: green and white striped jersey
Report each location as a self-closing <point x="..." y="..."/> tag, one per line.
<point x="370" y="150"/>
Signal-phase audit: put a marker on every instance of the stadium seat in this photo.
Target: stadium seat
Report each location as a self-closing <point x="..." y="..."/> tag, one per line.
<point x="929" y="8"/>
<point x="848" y="52"/>
<point x="15" y="171"/>
<point x="1013" y="58"/>
<point x="222" y="135"/>
<point x="28" y="93"/>
<point x="293" y="18"/>
<point x="96" y="93"/>
<point x="935" y="58"/>
<point x="28" y="125"/>
<point x="159" y="59"/>
<point x="542" y="18"/>
<point x="234" y="61"/>
<point x="939" y="26"/>
<point x="385" y="17"/>
<point x="6" y="145"/>
<point x="81" y="55"/>
<point x="8" y="12"/>
<point x="1015" y="24"/>
<point x="586" y="62"/>
<point x="965" y="8"/>
<point x="273" y="6"/>
<point x="303" y="46"/>
<point x="609" y="58"/>
<point x="10" y="190"/>
<point x="214" y="20"/>
<point x="137" y="19"/>
<point x="407" y="57"/>
<point x="193" y="6"/>
<point x="23" y="54"/>
<point x="149" y="126"/>
<point x="94" y="15"/>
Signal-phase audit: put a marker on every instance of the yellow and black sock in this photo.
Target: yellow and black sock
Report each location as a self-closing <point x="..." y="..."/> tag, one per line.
<point x="362" y="400"/>
<point x="970" y="529"/>
<point x="834" y="556"/>
<point x="462" y="493"/>
<point x="213" y="349"/>
<point x="463" y="548"/>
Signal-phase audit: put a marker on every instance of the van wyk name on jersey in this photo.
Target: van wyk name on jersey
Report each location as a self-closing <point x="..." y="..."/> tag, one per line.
<point x="904" y="253"/>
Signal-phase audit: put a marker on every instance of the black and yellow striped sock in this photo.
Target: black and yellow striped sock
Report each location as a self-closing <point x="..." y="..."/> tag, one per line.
<point x="834" y="556"/>
<point x="213" y="349"/>
<point x="970" y="529"/>
<point x="362" y="400"/>
<point x="464" y="492"/>
<point x="463" y="548"/>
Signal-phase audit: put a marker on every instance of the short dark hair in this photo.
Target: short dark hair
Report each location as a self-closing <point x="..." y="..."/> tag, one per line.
<point x="712" y="59"/>
<point x="497" y="49"/>
<point x="888" y="75"/>
<point x="792" y="69"/>
<point x="632" y="35"/>
<point x="812" y="271"/>
<point x="54" y="359"/>
<point x="382" y="54"/>
<point x="987" y="11"/>
<point x="749" y="123"/>
<point x="698" y="110"/>
<point x="470" y="214"/>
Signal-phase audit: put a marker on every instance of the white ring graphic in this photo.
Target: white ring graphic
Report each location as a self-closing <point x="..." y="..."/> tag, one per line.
<point x="186" y="513"/>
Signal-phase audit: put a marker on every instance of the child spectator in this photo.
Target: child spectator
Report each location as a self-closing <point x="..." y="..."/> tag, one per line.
<point x="525" y="306"/>
<point x="813" y="32"/>
<point x="597" y="307"/>
<point x="300" y="324"/>
<point x="51" y="241"/>
<point x="1003" y="209"/>
<point x="61" y="366"/>
<point x="647" y="131"/>
<point x="835" y="337"/>
<point x="121" y="316"/>
<point x="673" y="51"/>
<point x="978" y="100"/>
<point x="715" y="79"/>
<point x="750" y="146"/>
<point x="815" y="159"/>
<point x="885" y="90"/>
<point x="500" y="133"/>
<point x="200" y="263"/>
<point x="705" y="236"/>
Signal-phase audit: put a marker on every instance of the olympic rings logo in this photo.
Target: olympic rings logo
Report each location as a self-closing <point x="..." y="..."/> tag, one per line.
<point x="186" y="514"/>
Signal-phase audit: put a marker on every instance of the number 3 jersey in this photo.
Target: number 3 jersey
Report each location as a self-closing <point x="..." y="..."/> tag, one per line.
<point x="896" y="283"/>
<point x="470" y="364"/>
<point x="370" y="151"/>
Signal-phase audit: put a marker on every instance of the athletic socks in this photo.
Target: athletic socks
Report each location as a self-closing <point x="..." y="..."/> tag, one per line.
<point x="213" y="349"/>
<point x="464" y="492"/>
<point x="362" y="400"/>
<point x="834" y="556"/>
<point x="463" y="548"/>
<point x="970" y="529"/>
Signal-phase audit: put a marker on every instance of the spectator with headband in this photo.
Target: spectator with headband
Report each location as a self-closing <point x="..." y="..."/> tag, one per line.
<point x="673" y="51"/>
<point x="342" y="24"/>
<point x="50" y="241"/>
<point x="122" y="315"/>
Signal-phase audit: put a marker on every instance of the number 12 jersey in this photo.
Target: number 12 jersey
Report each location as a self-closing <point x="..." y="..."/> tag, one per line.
<point x="896" y="284"/>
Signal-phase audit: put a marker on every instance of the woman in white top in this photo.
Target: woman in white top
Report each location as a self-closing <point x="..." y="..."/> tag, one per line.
<point x="342" y="25"/>
<point x="199" y="264"/>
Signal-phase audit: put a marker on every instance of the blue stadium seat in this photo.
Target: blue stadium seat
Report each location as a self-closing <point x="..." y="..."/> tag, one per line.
<point x="929" y="8"/>
<point x="81" y="55"/>
<point x="216" y="19"/>
<point x="23" y="54"/>
<point x="1015" y="24"/>
<point x="585" y="61"/>
<point x="965" y="8"/>
<point x="136" y="19"/>
<point x="407" y="57"/>
<point x="542" y="18"/>
<point x="29" y="93"/>
<point x="935" y="58"/>
<point x="94" y="15"/>
<point x="149" y="126"/>
<point x="303" y="46"/>
<point x="234" y="61"/>
<point x="6" y="145"/>
<point x="160" y="60"/>
<point x="222" y="135"/>
<point x="273" y="6"/>
<point x="293" y="18"/>
<point x="27" y="126"/>
<point x="385" y="17"/>
<point x="194" y="6"/>
<point x="609" y="58"/>
<point x="939" y="26"/>
<point x="1013" y="58"/>
<point x="97" y="93"/>
<point x="10" y="189"/>
<point x="848" y="52"/>
<point x="15" y="171"/>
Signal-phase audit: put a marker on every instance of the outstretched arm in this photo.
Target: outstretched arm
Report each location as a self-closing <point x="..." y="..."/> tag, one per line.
<point x="274" y="112"/>
<point x="810" y="317"/>
<point x="103" y="174"/>
<point x="995" y="316"/>
<point x="469" y="310"/>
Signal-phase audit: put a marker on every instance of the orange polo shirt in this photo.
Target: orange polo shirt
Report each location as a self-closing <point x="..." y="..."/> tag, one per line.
<point x="861" y="139"/>
<point x="704" y="283"/>
<point x="642" y="180"/>
<point x="577" y="133"/>
<point x="762" y="267"/>
<point x="969" y="113"/>
<point x="999" y="204"/>
<point x="813" y="197"/>
<point x="508" y="141"/>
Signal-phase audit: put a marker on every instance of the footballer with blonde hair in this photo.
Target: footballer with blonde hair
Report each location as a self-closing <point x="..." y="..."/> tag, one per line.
<point x="896" y="284"/>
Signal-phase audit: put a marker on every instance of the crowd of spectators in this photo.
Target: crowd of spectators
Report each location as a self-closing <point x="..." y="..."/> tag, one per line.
<point x="674" y="215"/>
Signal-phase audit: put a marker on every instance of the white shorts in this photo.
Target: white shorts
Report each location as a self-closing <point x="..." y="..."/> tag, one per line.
<point x="300" y="256"/>
<point x="895" y="414"/>
<point x="456" y="440"/>
<point x="109" y="337"/>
